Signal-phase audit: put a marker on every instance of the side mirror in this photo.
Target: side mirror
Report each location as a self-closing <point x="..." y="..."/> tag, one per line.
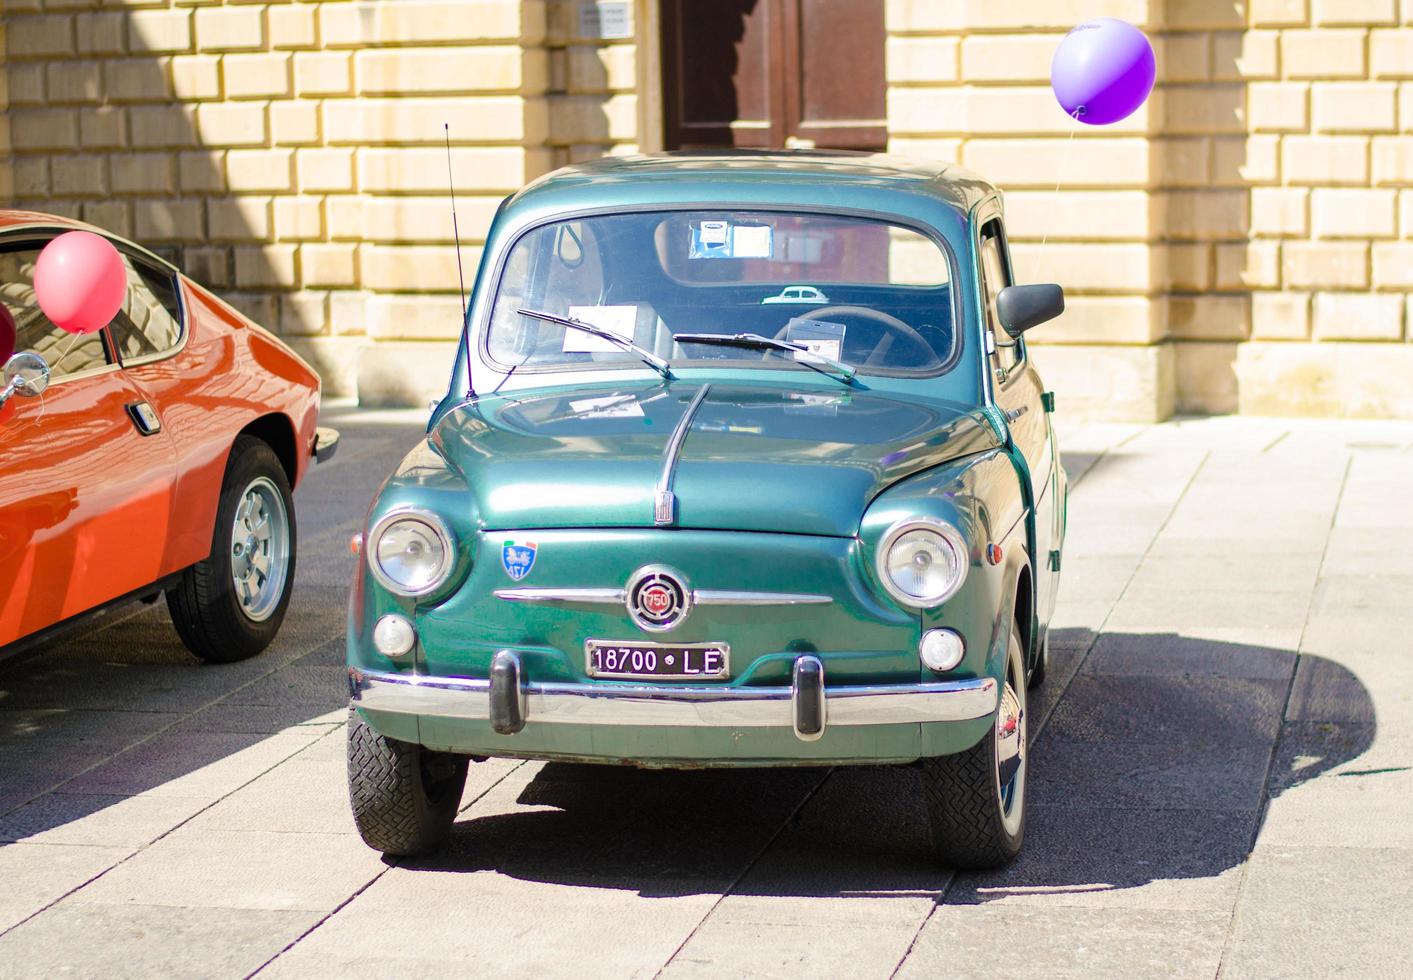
<point x="1023" y="307"/>
<point x="25" y="374"/>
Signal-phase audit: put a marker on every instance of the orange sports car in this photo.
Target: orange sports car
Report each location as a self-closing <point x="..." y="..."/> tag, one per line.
<point x="156" y="455"/>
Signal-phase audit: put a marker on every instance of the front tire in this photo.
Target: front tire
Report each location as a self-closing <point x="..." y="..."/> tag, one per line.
<point x="230" y="605"/>
<point x="976" y="798"/>
<point x="404" y="797"/>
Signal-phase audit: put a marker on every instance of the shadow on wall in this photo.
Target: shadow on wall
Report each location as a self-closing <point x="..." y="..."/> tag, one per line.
<point x="1153" y="770"/>
<point x="145" y="171"/>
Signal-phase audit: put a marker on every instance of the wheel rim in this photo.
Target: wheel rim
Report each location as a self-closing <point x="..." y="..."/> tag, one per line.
<point x="259" y="550"/>
<point x="1010" y="736"/>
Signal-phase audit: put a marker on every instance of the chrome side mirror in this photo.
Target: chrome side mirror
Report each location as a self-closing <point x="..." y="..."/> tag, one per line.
<point x="26" y="374"/>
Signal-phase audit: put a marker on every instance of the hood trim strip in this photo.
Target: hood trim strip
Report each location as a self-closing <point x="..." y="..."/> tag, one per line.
<point x="664" y="501"/>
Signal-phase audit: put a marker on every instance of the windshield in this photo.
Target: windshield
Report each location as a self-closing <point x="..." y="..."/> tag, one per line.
<point x="873" y="295"/>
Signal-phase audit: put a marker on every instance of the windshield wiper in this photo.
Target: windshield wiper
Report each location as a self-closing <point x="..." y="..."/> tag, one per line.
<point x="646" y="356"/>
<point x="755" y="341"/>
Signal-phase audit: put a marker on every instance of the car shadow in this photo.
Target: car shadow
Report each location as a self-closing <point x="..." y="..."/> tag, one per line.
<point x="1154" y="760"/>
<point x="115" y="706"/>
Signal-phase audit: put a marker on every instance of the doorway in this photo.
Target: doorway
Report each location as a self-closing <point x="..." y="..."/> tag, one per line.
<point x="770" y="74"/>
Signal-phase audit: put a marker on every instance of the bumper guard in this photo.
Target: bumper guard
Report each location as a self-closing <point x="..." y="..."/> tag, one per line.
<point x="509" y="702"/>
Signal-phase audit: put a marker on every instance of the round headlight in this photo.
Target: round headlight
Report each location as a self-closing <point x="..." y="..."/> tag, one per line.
<point x="922" y="562"/>
<point x="410" y="552"/>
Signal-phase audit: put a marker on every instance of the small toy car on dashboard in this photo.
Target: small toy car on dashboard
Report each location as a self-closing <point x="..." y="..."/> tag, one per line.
<point x="797" y="294"/>
<point x="156" y="455"/>
<point x="656" y="522"/>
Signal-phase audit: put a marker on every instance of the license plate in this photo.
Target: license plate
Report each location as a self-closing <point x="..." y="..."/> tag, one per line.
<point x="699" y="661"/>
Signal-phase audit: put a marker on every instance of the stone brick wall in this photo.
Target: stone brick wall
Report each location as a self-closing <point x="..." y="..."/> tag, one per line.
<point x="1244" y="242"/>
<point x="290" y="155"/>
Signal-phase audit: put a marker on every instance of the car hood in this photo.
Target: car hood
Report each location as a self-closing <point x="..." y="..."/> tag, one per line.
<point x="749" y="458"/>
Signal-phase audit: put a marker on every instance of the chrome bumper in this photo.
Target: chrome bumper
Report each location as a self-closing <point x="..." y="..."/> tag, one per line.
<point x="806" y="706"/>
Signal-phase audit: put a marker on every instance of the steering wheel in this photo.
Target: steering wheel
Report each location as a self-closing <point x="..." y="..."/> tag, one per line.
<point x="884" y="320"/>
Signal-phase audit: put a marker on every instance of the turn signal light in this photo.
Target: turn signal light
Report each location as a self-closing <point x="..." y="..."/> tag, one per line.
<point x="394" y="636"/>
<point x="941" y="650"/>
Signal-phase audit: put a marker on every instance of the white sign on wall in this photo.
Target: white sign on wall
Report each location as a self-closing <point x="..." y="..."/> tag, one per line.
<point x="609" y="20"/>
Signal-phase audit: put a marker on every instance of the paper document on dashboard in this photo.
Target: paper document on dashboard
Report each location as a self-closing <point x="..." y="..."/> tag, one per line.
<point x="615" y="319"/>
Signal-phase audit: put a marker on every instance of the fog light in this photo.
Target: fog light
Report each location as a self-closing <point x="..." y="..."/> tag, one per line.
<point x="394" y="636"/>
<point x="941" y="650"/>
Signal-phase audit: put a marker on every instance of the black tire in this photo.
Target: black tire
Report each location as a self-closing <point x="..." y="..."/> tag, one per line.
<point x="1037" y="673"/>
<point x="404" y="797"/>
<point x="205" y="608"/>
<point x="975" y="825"/>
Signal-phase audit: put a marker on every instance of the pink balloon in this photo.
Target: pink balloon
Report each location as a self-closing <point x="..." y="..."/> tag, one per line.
<point x="7" y="335"/>
<point x="79" y="281"/>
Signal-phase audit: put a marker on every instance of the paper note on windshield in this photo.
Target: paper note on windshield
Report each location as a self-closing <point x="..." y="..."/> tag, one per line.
<point x="615" y="319"/>
<point x="751" y="241"/>
<point x="820" y="337"/>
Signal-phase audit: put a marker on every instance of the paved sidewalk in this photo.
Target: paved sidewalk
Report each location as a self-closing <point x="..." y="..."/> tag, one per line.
<point x="1222" y="773"/>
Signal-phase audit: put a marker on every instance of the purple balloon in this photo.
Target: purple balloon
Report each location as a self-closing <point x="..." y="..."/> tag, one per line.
<point x="1102" y="71"/>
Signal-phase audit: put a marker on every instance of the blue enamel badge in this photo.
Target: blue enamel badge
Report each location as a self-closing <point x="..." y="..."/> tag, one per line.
<point x="518" y="557"/>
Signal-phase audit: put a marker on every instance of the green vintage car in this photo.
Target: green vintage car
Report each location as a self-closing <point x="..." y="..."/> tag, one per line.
<point x="678" y="509"/>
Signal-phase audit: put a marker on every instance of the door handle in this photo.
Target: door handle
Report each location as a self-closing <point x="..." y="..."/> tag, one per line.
<point x="1016" y="413"/>
<point x="144" y="418"/>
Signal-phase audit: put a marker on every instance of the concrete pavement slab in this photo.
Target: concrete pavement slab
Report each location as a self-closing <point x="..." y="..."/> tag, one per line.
<point x="21" y="729"/>
<point x="1116" y="858"/>
<point x="1177" y="711"/>
<point x="1354" y="691"/>
<point x="1096" y="578"/>
<point x="36" y="875"/>
<point x="1073" y="616"/>
<point x="226" y="869"/>
<point x="1237" y="572"/>
<point x="1125" y="774"/>
<point x="774" y="937"/>
<point x="80" y="818"/>
<point x="1209" y="609"/>
<point x="1174" y="655"/>
<point x="841" y="891"/>
<point x="1041" y="701"/>
<point x="258" y="719"/>
<point x="1062" y="943"/>
<point x="321" y="687"/>
<point x="1323" y="912"/>
<point x="142" y="941"/>
<point x="193" y="764"/>
<point x="1355" y="807"/>
<point x="439" y="924"/>
<point x="1317" y="749"/>
<point x="300" y="796"/>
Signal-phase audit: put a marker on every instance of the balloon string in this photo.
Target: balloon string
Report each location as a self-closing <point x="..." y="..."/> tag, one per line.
<point x="73" y="339"/>
<point x="1064" y="158"/>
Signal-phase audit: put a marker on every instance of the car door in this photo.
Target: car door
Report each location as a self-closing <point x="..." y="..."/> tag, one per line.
<point x="1017" y="389"/>
<point x="85" y="481"/>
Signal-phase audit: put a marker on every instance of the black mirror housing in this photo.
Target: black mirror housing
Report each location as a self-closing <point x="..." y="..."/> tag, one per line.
<point x="1023" y="307"/>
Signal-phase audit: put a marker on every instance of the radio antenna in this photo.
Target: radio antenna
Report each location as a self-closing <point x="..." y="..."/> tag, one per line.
<point x="460" y="276"/>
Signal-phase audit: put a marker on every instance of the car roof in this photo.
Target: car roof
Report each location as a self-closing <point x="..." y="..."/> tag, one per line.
<point x="716" y="177"/>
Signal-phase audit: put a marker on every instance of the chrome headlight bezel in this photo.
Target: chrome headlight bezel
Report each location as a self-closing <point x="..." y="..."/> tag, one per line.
<point x="952" y="538"/>
<point x="430" y="520"/>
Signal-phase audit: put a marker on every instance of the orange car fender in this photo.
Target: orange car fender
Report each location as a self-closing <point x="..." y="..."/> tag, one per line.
<point x="229" y="377"/>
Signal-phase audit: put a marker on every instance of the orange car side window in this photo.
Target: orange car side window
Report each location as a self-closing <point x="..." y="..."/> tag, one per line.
<point x="66" y="353"/>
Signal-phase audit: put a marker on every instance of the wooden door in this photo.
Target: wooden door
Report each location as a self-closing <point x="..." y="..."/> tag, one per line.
<point x="768" y="74"/>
